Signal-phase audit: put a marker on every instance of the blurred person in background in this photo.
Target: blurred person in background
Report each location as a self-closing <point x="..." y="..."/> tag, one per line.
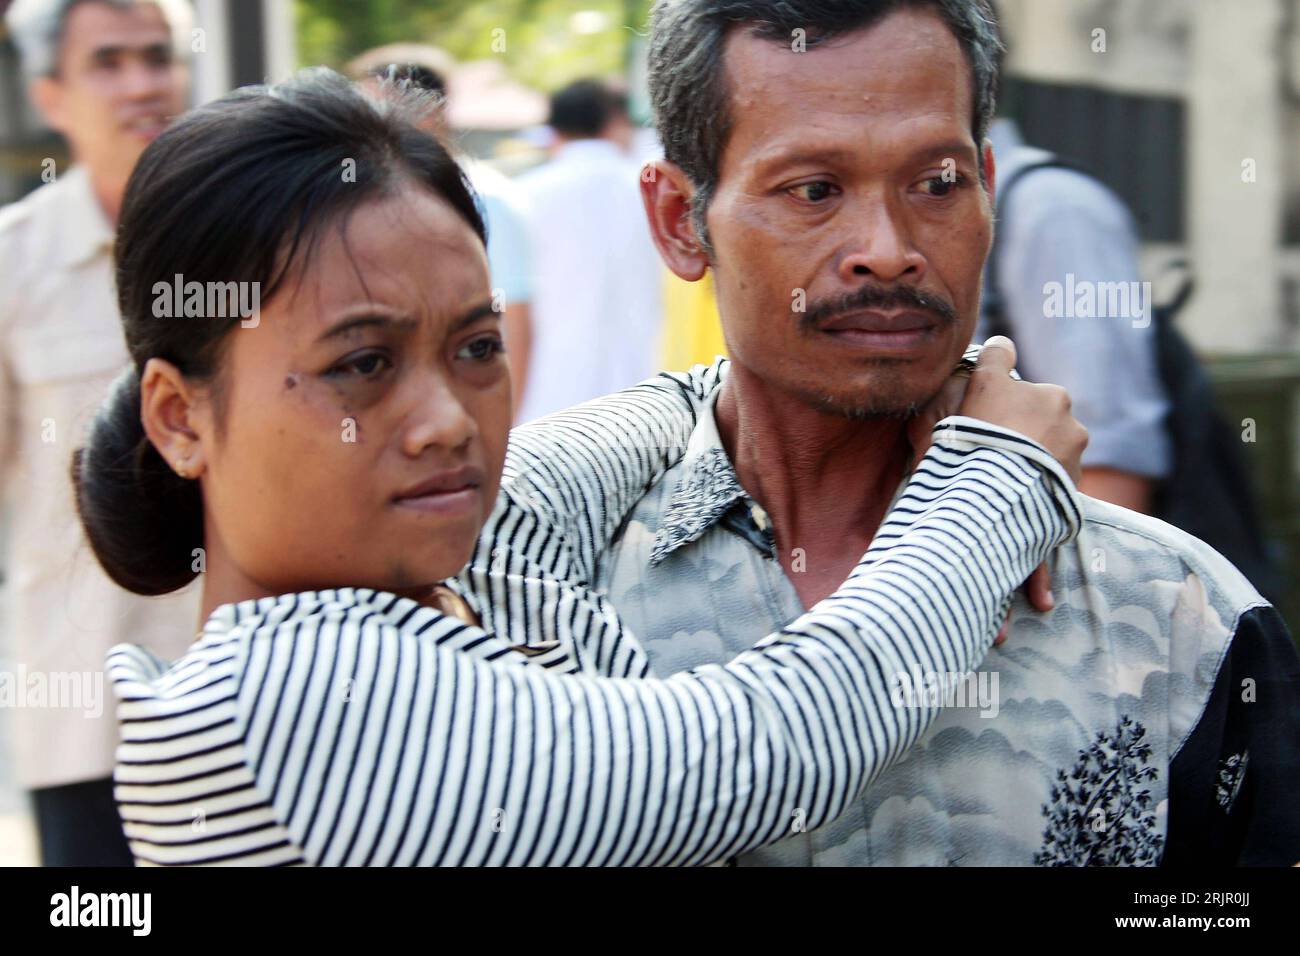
<point x="503" y="202"/>
<point x="109" y="76"/>
<point x="597" y="282"/>
<point x="1057" y="221"/>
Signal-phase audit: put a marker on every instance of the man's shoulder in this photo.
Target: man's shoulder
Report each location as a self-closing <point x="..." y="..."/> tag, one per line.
<point x="664" y="404"/>
<point x="30" y="227"/>
<point x="605" y="452"/>
<point x="32" y="209"/>
<point x="1041" y="193"/>
<point x="1118" y="549"/>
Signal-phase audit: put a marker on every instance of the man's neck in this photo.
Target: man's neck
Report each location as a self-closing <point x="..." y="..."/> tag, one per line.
<point x="824" y="480"/>
<point x="108" y="192"/>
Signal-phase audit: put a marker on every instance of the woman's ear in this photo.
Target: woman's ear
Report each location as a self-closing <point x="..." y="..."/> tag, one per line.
<point x="169" y="413"/>
<point x="666" y="194"/>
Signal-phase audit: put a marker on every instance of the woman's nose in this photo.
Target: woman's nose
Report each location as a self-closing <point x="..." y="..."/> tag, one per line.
<point x="438" y="418"/>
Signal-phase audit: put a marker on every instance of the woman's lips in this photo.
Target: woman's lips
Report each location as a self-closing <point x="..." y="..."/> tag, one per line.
<point x="461" y="501"/>
<point x="448" y="493"/>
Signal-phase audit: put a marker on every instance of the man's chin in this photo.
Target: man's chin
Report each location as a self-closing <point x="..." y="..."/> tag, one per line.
<point x="885" y="394"/>
<point x="867" y="409"/>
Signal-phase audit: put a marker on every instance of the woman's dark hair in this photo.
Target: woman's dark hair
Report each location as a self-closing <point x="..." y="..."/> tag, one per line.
<point x="237" y="191"/>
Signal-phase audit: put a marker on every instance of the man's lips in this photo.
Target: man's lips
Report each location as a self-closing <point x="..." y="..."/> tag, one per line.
<point x="447" y="492"/>
<point x="871" y="320"/>
<point x="886" y="331"/>
<point x="149" y="126"/>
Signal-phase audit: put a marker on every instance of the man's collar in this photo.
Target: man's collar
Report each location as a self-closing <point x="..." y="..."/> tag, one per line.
<point x="706" y="491"/>
<point x="84" y="230"/>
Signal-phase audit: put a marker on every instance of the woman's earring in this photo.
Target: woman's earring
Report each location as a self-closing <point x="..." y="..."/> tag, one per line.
<point x="182" y="470"/>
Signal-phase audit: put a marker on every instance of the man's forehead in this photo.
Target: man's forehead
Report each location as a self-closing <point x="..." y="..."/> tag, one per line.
<point x="902" y="61"/>
<point x="93" y="26"/>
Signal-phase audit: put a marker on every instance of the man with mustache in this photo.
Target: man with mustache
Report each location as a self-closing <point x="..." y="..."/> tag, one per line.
<point x="827" y="161"/>
<point x="108" y="75"/>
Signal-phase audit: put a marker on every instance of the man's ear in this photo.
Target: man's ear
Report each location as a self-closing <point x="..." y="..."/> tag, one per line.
<point x="666" y="194"/>
<point x="171" y="417"/>
<point x="990" y="172"/>
<point x="46" y="94"/>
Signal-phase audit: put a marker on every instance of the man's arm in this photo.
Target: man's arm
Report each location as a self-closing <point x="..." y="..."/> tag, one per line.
<point x="1121" y="488"/>
<point x="1065" y="231"/>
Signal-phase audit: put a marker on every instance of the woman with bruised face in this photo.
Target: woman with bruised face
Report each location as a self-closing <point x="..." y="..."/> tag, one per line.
<point x="328" y="461"/>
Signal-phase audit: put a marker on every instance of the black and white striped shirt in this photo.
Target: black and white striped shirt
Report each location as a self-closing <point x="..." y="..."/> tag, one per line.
<point x="354" y="727"/>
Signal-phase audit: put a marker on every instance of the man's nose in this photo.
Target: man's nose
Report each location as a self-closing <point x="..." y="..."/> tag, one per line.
<point x="882" y="246"/>
<point x="438" y="419"/>
<point x="144" y="80"/>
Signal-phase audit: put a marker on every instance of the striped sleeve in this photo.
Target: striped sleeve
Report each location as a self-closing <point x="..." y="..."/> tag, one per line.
<point x="436" y="755"/>
<point x="581" y="470"/>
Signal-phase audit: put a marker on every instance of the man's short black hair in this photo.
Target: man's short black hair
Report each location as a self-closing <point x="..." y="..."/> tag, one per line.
<point x="584" y="108"/>
<point x="415" y="74"/>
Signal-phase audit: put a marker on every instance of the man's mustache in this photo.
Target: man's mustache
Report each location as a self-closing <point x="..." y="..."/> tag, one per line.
<point x="873" y="297"/>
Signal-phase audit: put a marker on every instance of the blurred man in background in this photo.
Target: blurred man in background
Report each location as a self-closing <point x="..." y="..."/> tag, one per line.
<point x="1059" y="221"/>
<point x="597" y="306"/>
<point x="108" y="76"/>
<point x="503" y="203"/>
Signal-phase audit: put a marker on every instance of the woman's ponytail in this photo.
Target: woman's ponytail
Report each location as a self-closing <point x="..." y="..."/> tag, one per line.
<point x="143" y="521"/>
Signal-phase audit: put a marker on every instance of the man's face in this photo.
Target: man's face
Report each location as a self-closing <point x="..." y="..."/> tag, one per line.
<point x="118" y="85"/>
<point x="832" y="199"/>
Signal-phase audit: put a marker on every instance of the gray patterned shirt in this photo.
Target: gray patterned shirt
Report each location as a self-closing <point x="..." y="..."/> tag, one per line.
<point x="1115" y="729"/>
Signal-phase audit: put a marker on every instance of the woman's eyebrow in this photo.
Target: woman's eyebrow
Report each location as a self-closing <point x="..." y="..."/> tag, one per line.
<point x="365" y="321"/>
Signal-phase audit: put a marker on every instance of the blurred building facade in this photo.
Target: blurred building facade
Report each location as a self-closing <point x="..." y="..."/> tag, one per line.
<point x="1190" y="110"/>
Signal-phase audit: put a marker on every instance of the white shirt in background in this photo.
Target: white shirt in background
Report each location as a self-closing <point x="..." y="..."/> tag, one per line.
<point x="61" y="346"/>
<point x="597" y="279"/>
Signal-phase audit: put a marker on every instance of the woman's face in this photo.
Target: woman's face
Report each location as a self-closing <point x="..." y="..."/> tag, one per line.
<point x="364" y="419"/>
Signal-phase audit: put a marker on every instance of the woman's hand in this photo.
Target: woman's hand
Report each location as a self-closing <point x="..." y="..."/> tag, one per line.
<point x="1040" y="412"/>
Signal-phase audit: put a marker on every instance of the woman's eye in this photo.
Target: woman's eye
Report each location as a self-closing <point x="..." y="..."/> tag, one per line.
<point x="366" y="365"/>
<point x="814" y="192"/>
<point x="940" y="186"/>
<point x="482" y="350"/>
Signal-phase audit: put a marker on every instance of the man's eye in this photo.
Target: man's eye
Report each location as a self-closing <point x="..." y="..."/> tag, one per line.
<point x="365" y="365"/>
<point x="940" y="186"/>
<point x="482" y="350"/>
<point x="814" y="192"/>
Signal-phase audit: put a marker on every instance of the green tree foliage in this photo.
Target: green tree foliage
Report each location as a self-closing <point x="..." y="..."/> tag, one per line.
<point x="543" y="43"/>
